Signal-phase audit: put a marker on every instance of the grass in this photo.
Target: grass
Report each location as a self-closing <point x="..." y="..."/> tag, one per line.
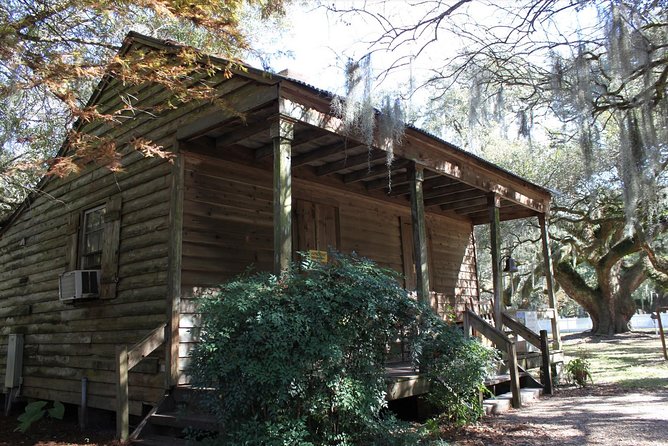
<point x="631" y="360"/>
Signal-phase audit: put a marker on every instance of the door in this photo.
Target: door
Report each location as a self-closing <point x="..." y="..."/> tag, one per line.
<point x="316" y="227"/>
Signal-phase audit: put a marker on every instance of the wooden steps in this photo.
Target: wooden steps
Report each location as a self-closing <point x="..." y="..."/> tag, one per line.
<point x="499" y="385"/>
<point x="176" y="420"/>
<point x="163" y="440"/>
<point x="503" y="403"/>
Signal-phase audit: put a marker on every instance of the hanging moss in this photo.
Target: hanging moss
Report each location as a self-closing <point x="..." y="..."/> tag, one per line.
<point x="359" y="115"/>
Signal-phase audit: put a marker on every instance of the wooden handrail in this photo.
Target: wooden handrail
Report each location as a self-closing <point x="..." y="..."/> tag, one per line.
<point x="529" y="335"/>
<point x="538" y="340"/>
<point x="126" y="359"/>
<point x="492" y="333"/>
<point x="502" y="342"/>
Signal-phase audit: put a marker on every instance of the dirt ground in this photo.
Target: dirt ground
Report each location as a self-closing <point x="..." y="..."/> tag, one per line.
<point x="626" y="405"/>
<point x="48" y="432"/>
<point x="596" y="415"/>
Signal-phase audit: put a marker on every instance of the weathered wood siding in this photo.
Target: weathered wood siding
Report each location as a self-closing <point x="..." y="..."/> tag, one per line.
<point x="65" y="342"/>
<point x="453" y="268"/>
<point x="227" y="228"/>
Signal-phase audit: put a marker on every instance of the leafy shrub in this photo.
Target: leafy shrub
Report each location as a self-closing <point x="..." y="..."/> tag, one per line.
<point x="456" y="366"/>
<point x="577" y="371"/>
<point x="299" y="359"/>
<point x="36" y="411"/>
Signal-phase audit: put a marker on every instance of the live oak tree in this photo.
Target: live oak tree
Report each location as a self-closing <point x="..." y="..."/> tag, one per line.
<point x="53" y="53"/>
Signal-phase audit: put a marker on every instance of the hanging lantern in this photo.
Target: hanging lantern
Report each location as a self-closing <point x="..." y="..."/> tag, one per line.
<point x="510" y="266"/>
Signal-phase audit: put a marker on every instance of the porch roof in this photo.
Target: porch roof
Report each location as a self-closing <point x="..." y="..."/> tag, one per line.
<point x="457" y="183"/>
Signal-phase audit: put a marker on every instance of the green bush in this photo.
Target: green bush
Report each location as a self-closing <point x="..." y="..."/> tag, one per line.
<point x="299" y="359"/>
<point x="456" y="367"/>
<point x="577" y="371"/>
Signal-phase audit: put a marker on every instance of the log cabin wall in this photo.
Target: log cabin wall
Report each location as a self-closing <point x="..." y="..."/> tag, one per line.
<point x="66" y="342"/>
<point x="227" y="227"/>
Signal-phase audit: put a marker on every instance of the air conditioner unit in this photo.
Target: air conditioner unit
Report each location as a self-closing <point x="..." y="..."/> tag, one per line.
<point x="79" y="284"/>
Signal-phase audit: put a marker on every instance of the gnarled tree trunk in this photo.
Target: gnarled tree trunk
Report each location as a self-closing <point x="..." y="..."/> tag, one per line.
<point x="609" y="304"/>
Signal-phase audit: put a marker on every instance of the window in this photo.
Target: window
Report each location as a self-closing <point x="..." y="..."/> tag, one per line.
<point x="92" y="238"/>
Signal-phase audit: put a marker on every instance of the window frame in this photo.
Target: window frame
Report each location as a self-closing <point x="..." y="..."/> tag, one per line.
<point x="84" y="233"/>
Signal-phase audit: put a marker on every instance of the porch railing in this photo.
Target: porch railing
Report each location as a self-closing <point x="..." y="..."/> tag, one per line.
<point x="503" y="343"/>
<point x="126" y="359"/>
<point x="538" y="340"/>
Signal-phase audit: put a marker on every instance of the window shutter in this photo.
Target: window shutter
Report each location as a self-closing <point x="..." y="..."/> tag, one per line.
<point x="110" y="247"/>
<point x="72" y="249"/>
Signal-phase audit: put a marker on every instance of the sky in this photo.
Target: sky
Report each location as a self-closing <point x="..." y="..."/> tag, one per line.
<point x="319" y="42"/>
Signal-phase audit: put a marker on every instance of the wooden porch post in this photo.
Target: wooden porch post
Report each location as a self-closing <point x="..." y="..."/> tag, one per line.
<point x="549" y="279"/>
<point x="282" y="134"/>
<point x="122" y="396"/>
<point x="416" y="178"/>
<point x="174" y="273"/>
<point x="493" y="203"/>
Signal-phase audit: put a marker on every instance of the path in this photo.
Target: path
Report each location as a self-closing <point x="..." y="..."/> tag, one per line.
<point x="628" y="405"/>
<point x="597" y="416"/>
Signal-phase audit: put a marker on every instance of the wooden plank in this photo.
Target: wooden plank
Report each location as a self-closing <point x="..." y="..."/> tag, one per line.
<point x="549" y="277"/>
<point x="305" y="226"/>
<point x="146" y="346"/>
<point x="495" y="335"/>
<point x="546" y="366"/>
<point x="371" y="172"/>
<point x="175" y="267"/>
<point x="327" y="227"/>
<point x="420" y="250"/>
<point x="240" y="131"/>
<point x="298" y="138"/>
<point x="407" y="253"/>
<point x="322" y="152"/>
<point x="465" y="193"/>
<point x="122" y="394"/>
<point x="363" y="159"/>
<point x="663" y="335"/>
<point x="450" y="187"/>
<point x="514" y="376"/>
<point x="436" y="156"/>
<point x="529" y="335"/>
<point x="282" y="135"/>
<point x="244" y="99"/>
<point x="495" y="241"/>
<point x="396" y="178"/>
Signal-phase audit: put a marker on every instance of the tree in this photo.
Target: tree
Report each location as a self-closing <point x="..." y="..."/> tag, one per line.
<point x="596" y="244"/>
<point x="561" y="75"/>
<point x="53" y="53"/>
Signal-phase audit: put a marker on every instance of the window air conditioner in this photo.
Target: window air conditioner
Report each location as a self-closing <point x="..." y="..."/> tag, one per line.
<point x="79" y="284"/>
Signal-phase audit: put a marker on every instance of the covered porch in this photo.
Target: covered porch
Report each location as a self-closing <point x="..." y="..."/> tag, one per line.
<point x="286" y="178"/>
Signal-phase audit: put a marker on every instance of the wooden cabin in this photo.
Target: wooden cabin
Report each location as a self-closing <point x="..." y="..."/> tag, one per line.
<point x="237" y="193"/>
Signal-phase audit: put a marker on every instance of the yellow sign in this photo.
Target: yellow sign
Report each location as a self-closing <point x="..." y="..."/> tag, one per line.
<point x="318" y="256"/>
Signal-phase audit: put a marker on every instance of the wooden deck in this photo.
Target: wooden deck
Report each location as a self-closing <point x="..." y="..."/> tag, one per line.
<point x="403" y="381"/>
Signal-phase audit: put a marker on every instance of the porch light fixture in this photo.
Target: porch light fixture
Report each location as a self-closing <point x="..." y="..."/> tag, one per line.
<point x="510" y="265"/>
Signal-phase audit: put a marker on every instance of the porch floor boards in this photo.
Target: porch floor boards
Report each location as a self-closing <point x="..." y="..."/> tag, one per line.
<point x="404" y="381"/>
